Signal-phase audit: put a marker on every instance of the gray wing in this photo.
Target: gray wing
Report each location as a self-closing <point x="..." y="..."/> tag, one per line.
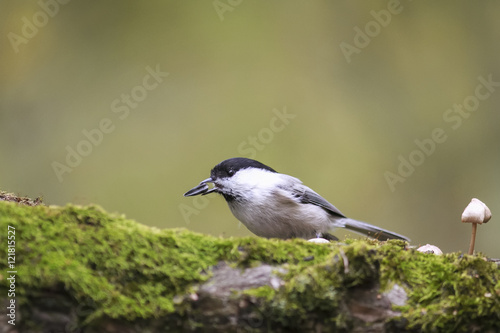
<point x="307" y="196"/>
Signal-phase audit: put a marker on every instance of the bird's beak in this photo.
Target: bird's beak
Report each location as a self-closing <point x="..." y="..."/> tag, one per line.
<point x="202" y="189"/>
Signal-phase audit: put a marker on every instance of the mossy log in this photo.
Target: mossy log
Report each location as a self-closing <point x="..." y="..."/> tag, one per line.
<point x="80" y="269"/>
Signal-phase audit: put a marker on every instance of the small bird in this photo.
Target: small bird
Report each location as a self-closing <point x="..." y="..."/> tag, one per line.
<point x="275" y="205"/>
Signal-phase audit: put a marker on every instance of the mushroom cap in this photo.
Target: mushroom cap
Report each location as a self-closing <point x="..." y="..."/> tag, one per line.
<point x="318" y="240"/>
<point x="428" y="248"/>
<point x="476" y="212"/>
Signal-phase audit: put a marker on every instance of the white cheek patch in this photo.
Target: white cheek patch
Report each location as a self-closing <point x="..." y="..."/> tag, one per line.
<point x="256" y="178"/>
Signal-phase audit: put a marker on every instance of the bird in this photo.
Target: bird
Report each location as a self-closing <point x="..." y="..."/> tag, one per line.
<point x="275" y="205"/>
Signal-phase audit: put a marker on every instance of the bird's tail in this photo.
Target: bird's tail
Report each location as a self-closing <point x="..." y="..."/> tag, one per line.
<point x="371" y="230"/>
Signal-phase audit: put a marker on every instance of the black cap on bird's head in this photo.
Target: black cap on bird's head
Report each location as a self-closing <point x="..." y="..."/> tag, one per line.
<point x="228" y="168"/>
<point x="225" y="169"/>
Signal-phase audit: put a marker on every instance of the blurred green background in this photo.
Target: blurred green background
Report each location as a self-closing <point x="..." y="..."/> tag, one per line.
<point x="360" y="81"/>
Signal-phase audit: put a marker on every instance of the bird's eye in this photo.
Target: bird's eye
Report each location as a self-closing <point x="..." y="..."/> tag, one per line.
<point x="230" y="172"/>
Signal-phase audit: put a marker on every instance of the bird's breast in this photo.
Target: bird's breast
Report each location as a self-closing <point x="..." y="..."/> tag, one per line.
<point x="280" y="216"/>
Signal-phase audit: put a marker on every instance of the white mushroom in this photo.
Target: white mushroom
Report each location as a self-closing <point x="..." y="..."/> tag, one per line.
<point x="318" y="240"/>
<point x="476" y="213"/>
<point x="428" y="248"/>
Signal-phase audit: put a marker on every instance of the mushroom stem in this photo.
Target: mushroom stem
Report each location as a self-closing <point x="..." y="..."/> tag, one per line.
<point x="473" y="239"/>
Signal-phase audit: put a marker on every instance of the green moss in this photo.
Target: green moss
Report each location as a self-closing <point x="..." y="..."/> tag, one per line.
<point x="101" y="259"/>
<point x="118" y="268"/>
<point x="449" y="293"/>
<point x="315" y="292"/>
